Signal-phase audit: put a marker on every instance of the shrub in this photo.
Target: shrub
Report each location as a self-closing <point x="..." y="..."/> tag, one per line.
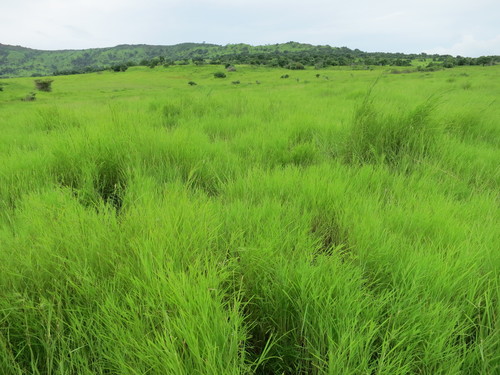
<point x="231" y="68"/>
<point x="295" y="66"/>
<point x="192" y="83"/>
<point x="285" y="76"/>
<point x="220" y="75"/>
<point x="404" y="71"/>
<point x="235" y="82"/>
<point x="31" y="97"/>
<point x="44" y="84"/>
<point x="119" y="68"/>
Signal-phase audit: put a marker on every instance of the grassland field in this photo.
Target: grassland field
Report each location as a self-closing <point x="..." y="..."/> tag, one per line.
<point x="341" y="224"/>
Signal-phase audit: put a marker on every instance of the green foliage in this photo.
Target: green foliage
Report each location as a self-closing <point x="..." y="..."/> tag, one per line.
<point x="220" y="75"/>
<point x="393" y="139"/>
<point x="44" y="84"/>
<point x="295" y="66"/>
<point x="19" y="61"/>
<point x="31" y="97"/>
<point x="119" y="68"/>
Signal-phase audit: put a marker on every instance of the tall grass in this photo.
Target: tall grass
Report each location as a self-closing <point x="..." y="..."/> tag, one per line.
<point x="292" y="227"/>
<point x="394" y="137"/>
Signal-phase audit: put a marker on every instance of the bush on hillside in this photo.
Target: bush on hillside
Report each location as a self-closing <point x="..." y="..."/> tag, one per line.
<point x="220" y="75"/>
<point x="295" y="66"/>
<point x="44" y="84"/>
<point x="119" y="68"/>
<point x="31" y="97"/>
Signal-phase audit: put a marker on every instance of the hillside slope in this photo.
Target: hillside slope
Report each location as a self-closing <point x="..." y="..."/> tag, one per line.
<point x="16" y="61"/>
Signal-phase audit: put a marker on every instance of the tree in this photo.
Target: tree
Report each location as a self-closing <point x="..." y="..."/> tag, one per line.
<point x="154" y="62"/>
<point x="484" y="60"/>
<point x="198" y="60"/>
<point x="168" y="62"/>
<point x="449" y="63"/>
<point x="461" y="61"/>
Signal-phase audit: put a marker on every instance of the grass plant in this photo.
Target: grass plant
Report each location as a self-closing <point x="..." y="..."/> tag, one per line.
<point x="295" y="226"/>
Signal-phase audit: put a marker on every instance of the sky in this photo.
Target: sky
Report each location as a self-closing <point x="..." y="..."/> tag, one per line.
<point x="455" y="27"/>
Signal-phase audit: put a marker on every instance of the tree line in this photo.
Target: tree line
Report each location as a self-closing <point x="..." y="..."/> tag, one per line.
<point x="341" y="57"/>
<point x="20" y="61"/>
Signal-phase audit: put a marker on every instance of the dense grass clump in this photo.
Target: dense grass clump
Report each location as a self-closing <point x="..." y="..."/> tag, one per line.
<point x="394" y="138"/>
<point x="298" y="226"/>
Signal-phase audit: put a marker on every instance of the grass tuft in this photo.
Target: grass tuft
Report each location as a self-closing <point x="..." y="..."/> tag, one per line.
<point x="149" y="227"/>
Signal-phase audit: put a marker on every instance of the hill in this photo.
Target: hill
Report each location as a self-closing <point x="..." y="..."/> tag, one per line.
<point x="16" y="61"/>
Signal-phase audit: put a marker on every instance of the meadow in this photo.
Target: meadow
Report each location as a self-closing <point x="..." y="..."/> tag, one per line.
<point x="332" y="222"/>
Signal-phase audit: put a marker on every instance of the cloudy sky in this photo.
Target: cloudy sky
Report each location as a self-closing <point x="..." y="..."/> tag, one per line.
<point x="456" y="27"/>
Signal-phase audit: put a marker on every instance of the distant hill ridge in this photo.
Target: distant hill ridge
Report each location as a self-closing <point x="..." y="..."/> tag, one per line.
<point x="17" y="61"/>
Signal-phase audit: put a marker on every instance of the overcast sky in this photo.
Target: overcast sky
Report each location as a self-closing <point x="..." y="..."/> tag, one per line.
<point x="456" y="27"/>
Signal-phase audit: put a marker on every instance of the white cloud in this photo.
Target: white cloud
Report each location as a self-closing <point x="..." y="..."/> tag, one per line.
<point x="470" y="46"/>
<point x="385" y="25"/>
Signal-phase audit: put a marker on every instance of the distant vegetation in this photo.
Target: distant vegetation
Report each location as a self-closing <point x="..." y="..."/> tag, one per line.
<point x="44" y="84"/>
<point x="18" y="61"/>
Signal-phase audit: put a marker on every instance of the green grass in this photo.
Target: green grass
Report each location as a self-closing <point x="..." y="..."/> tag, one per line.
<point x="347" y="225"/>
